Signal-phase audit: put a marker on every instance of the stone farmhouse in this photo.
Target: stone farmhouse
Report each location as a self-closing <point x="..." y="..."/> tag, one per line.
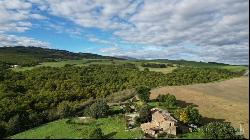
<point x="162" y="122"/>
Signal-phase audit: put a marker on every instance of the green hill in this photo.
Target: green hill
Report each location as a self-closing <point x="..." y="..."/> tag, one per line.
<point x="30" y="56"/>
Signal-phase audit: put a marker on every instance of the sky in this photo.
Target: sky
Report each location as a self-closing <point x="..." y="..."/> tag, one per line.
<point x="198" y="30"/>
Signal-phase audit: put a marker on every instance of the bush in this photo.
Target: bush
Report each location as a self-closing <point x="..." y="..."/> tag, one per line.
<point x="218" y="130"/>
<point x="98" y="109"/>
<point x="143" y="93"/>
<point x="96" y="134"/>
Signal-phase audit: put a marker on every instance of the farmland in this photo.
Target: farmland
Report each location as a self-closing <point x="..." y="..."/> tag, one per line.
<point x="221" y="101"/>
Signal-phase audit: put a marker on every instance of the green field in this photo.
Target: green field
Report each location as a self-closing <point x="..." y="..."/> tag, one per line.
<point x="85" y="62"/>
<point x="235" y="68"/>
<point x="112" y="127"/>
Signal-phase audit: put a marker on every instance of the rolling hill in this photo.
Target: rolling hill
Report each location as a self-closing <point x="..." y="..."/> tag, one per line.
<point x="30" y="56"/>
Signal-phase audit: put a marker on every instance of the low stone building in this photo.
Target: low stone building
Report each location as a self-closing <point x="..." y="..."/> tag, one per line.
<point x="161" y="122"/>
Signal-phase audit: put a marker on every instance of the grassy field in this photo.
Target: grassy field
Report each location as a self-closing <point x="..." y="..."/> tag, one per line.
<point x="220" y="101"/>
<point x="113" y="127"/>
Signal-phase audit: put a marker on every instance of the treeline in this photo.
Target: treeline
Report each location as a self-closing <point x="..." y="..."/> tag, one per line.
<point x="189" y="75"/>
<point x="30" y="56"/>
<point x="30" y="98"/>
<point x="153" y="65"/>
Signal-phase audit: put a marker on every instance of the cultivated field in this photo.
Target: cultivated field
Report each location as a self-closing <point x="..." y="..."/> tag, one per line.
<point x="221" y="101"/>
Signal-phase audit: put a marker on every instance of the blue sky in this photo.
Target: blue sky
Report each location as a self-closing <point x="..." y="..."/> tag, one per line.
<point x="178" y="29"/>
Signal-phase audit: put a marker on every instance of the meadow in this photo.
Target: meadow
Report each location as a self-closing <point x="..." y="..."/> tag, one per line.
<point x="112" y="127"/>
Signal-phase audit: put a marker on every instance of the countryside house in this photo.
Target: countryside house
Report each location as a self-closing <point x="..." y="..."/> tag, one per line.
<point x="162" y="122"/>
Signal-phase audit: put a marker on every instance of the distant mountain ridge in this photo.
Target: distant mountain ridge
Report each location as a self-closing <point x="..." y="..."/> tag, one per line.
<point x="28" y="56"/>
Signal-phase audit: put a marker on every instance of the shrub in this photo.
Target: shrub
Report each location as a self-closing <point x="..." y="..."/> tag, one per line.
<point x="98" y="109"/>
<point x="96" y="134"/>
<point x="218" y="130"/>
<point x="143" y="93"/>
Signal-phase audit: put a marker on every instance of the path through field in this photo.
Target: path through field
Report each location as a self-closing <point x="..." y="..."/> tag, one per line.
<point x="223" y="101"/>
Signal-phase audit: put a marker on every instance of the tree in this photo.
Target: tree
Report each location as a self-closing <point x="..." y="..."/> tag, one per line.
<point x="144" y="114"/>
<point x="146" y="69"/>
<point x="219" y="130"/>
<point x="188" y="115"/>
<point x="96" y="134"/>
<point x="182" y="115"/>
<point x="167" y="100"/>
<point x="143" y="93"/>
<point x="99" y="109"/>
<point x="64" y="109"/>
<point x="193" y="114"/>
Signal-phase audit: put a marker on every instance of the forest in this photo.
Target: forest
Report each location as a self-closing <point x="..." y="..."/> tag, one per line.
<point x="44" y="94"/>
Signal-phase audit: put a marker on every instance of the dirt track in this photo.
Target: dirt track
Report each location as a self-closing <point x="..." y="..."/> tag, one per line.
<point x="221" y="101"/>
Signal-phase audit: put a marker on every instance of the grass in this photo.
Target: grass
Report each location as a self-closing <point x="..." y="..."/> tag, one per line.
<point x="163" y="70"/>
<point x="192" y="135"/>
<point x="112" y="127"/>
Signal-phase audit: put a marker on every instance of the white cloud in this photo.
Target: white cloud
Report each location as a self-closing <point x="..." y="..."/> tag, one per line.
<point x="218" y="30"/>
<point x="15" y="16"/>
<point x="12" y="40"/>
<point x="101" y="41"/>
